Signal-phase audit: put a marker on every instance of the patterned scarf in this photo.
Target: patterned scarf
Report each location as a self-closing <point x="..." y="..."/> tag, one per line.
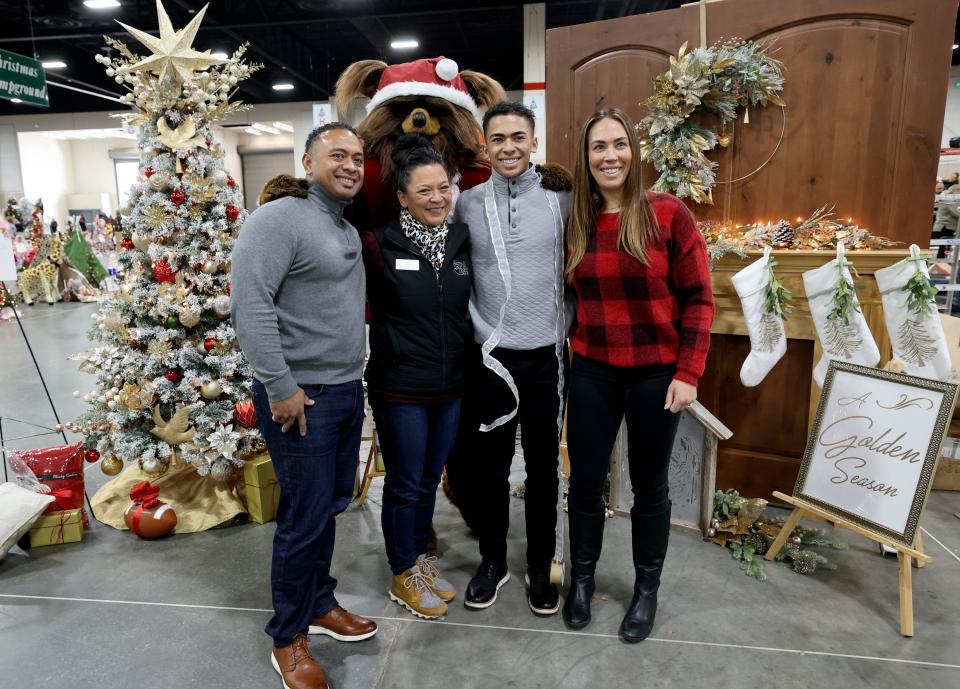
<point x="431" y="241"/>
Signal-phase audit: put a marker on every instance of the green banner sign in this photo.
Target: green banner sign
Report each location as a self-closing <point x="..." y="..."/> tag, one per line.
<point x="22" y="77"/>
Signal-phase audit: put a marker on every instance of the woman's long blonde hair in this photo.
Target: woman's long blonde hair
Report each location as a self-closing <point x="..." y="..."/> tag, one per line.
<point x="638" y="229"/>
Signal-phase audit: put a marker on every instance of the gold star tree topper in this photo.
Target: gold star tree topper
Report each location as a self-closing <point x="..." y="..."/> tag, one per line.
<point x="172" y="53"/>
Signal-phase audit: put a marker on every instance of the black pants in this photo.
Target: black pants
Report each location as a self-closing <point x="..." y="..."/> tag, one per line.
<point x="600" y="396"/>
<point x="486" y="456"/>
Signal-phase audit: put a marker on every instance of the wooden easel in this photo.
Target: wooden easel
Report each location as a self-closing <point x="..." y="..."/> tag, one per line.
<point x="373" y="468"/>
<point x="905" y="556"/>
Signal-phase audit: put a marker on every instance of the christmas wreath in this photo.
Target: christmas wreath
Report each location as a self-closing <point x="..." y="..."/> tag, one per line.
<point x="721" y="80"/>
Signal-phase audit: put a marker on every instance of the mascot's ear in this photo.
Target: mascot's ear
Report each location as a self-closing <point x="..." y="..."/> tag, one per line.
<point x="359" y="80"/>
<point x="283" y="185"/>
<point x="485" y="90"/>
<point x="555" y="177"/>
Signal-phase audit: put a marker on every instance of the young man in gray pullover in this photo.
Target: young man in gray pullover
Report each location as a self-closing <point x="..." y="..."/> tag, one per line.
<point x="298" y="311"/>
<point x="517" y="308"/>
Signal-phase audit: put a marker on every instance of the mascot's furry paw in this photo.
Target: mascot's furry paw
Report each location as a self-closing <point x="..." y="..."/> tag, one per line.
<point x="555" y="177"/>
<point x="283" y="185"/>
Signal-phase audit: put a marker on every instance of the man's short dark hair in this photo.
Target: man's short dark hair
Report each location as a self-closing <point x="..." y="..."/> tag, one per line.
<point x="329" y="126"/>
<point x="509" y="108"/>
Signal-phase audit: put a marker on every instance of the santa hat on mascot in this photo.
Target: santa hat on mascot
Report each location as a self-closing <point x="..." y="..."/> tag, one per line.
<point x="429" y="96"/>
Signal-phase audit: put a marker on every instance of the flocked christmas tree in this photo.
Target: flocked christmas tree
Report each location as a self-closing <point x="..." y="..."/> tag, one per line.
<point x="172" y="383"/>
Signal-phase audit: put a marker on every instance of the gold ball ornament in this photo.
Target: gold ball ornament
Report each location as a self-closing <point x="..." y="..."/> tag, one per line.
<point x="154" y="467"/>
<point x="111" y="466"/>
<point x="211" y="390"/>
<point x="209" y="267"/>
<point x="189" y="316"/>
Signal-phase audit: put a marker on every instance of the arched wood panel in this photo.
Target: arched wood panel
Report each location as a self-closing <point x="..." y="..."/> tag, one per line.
<point x="865" y="99"/>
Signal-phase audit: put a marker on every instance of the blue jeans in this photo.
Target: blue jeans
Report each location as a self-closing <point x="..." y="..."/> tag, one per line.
<point x="416" y="440"/>
<point x="316" y="476"/>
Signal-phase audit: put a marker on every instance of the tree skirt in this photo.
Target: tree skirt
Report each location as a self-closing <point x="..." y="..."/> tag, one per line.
<point x="200" y="502"/>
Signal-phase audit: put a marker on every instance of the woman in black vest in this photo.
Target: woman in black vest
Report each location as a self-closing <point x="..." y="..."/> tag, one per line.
<point x="418" y="286"/>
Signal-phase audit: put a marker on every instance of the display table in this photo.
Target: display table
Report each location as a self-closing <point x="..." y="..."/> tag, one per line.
<point x="770" y="422"/>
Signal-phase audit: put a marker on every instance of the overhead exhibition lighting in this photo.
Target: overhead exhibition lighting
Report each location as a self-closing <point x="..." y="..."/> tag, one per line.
<point x="955" y="46"/>
<point x="251" y="130"/>
<point x="220" y="55"/>
<point x="283" y="126"/>
<point x="54" y="64"/>
<point x="101" y="4"/>
<point x="15" y="100"/>
<point x="265" y="128"/>
<point x="404" y="44"/>
<point x="284" y="86"/>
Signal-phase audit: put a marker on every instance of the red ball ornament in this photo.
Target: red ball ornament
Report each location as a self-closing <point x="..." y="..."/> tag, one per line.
<point x="231" y="182"/>
<point x="244" y="414"/>
<point x="177" y="196"/>
<point x="162" y="272"/>
<point x="134" y="343"/>
<point x="228" y="289"/>
<point x="91" y="455"/>
<point x="148" y="172"/>
<point x="233" y="212"/>
<point x="126" y="243"/>
<point x="172" y="374"/>
<point x="209" y="343"/>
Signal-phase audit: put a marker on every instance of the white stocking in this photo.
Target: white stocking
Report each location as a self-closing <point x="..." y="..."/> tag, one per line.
<point x="768" y="341"/>
<point x="849" y="341"/>
<point x="917" y="338"/>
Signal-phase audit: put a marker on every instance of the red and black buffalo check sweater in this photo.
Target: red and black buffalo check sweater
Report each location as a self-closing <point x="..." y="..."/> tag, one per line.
<point x="630" y="314"/>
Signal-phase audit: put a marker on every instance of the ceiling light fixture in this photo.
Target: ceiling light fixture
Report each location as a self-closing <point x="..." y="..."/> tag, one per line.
<point x="101" y="4"/>
<point x="284" y="86"/>
<point x="251" y="130"/>
<point x="955" y="46"/>
<point x="404" y="44"/>
<point x="283" y="126"/>
<point x="265" y="128"/>
<point x="220" y="55"/>
<point x="54" y="64"/>
<point x="15" y="100"/>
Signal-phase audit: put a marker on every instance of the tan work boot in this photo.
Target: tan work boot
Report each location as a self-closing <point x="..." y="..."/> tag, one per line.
<point x="438" y="584"/>
<point x="412" y="590"/>
<point x="296" y="666"/>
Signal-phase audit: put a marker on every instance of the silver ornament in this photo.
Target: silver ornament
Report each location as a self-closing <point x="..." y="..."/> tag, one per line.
<point x="221" y="471"/>
<point x="221" y="306"/>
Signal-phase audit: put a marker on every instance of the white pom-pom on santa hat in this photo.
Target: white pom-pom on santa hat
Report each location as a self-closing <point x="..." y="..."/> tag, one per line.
<point x="447" y="69"/>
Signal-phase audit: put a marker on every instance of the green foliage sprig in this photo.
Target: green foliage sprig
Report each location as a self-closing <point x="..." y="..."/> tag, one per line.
<point x="920" y="293"/>
<point x="777" y="298"/>
<point x="844" y="295"/>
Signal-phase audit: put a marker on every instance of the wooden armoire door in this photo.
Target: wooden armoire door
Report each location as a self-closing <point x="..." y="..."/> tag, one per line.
<point x="865" y="91"/>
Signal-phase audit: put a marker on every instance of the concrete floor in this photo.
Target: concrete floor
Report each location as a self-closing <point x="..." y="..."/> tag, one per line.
<point x="115" y="611"/>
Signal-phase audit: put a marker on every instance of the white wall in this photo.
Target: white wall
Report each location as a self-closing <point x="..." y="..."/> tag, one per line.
<point x="47" y="169"/>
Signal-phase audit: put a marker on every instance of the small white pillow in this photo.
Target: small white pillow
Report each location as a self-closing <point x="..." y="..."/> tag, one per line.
<point x="19" y="509"/>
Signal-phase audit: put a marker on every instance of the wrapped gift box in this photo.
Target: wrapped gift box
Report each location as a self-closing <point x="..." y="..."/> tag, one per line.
<point x="261" y="489"/>
<point x="64" y="526"/>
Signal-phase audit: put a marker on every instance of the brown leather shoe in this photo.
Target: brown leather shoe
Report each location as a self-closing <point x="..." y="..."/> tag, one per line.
<point x="296" y="666"/>
<point x="343" y="626"/>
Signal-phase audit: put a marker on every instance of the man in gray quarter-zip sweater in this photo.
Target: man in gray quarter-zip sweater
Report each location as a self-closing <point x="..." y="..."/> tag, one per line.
<point x="517" y="308"/>
<point x="298" y="311"/>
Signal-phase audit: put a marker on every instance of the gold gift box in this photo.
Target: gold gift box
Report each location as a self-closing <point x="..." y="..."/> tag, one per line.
<point x="64" y="526"/>
<point x="261" y="489"/>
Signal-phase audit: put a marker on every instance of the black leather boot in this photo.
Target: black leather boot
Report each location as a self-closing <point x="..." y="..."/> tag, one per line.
<point x="586" y="540"/>
<point x="650" y="535"/>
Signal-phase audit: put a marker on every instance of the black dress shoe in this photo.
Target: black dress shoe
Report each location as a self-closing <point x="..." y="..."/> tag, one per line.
<point x="482" y="589"/>
<point x="542" y="596"/>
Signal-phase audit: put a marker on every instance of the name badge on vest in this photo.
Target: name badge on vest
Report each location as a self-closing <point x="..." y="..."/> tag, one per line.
<point x="408" y="264"/>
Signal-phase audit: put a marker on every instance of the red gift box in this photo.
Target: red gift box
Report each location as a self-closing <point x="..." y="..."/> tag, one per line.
<point x="61" y="469"/>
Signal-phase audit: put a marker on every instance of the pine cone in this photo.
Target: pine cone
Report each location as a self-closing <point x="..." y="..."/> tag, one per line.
<point x="805" y="562"/>
<point x="784" y="234"/>
<point x="757" y="541"/>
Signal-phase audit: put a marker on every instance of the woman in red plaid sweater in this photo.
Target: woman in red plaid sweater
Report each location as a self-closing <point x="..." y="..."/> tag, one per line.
<point x="639" y="267"/>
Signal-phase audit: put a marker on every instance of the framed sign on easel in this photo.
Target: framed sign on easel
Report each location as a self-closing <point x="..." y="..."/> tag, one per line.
<point x="870" y="459"/>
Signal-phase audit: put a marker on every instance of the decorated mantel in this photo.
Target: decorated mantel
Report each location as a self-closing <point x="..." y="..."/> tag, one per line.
<point x="172" y="397"/>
